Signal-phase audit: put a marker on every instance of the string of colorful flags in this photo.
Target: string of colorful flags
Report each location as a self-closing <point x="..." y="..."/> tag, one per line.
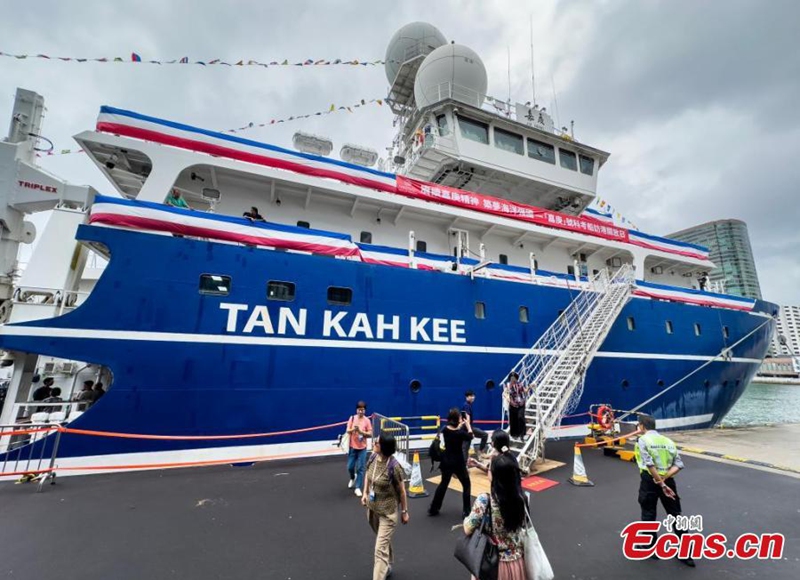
<point x="136" y="58"/>
<point x="604" y="207"/>
<point x="332" y="109"/>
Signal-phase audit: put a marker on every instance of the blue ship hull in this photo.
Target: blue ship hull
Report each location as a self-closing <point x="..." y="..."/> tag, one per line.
<point x="180" y="367"/>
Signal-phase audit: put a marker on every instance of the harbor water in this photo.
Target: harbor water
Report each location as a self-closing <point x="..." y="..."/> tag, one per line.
<point x="763" y="404"/>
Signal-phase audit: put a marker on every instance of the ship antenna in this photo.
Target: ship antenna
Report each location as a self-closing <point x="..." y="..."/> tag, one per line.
<point x="508" y="108"/>
<point x="555" y="100"/>
<point x="533" y="78"/>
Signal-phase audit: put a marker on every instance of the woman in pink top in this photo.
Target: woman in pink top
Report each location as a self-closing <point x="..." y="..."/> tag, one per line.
<point x="359" y="428"/>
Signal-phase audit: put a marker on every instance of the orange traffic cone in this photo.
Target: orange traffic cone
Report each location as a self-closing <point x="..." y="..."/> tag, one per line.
<point x="579" y="477"/>
<point x="417" y="486"/>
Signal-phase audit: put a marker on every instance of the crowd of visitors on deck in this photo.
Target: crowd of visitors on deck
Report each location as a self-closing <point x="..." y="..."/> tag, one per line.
<point x="377" y="478"/>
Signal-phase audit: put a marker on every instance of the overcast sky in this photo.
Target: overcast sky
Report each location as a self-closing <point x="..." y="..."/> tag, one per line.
<point x="698" y="102"/>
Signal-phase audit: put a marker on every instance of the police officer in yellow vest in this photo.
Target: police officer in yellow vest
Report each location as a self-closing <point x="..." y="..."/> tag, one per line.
<point x="658" y="461"/>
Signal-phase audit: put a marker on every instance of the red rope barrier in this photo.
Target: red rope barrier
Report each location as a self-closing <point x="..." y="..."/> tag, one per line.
<point x="194" y="437"/>
<point x="607" y="441"/>
<point x="28" y="472"/>
<point x="28" y="431"/>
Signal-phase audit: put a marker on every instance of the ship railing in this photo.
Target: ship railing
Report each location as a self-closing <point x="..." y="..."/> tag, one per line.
<point x="49" y="413"/>
<point x="21" y="459"/>
<point x="543" y="356"/>
<point x="59" y="298"/>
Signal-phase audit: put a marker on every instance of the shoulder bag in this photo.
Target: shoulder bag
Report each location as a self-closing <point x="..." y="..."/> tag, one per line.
<point x="477" y="552"/>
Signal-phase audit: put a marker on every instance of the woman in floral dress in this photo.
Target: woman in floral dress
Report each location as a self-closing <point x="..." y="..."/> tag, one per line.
<point x="508" y="514"/>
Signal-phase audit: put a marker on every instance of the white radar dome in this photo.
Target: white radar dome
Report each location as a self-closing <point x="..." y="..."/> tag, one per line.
<point x="412" y="40"/>
<point x="451" y="71"/>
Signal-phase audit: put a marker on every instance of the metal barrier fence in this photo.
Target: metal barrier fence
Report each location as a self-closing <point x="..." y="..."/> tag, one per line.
<point x="423" y="427"/>
<point x="401" y="432"/>
<point x="22" y="458"/>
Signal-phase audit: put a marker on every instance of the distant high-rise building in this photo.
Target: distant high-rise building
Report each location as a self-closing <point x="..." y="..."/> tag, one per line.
<point x="787" y="326"/>
<point x="731" y="252"/>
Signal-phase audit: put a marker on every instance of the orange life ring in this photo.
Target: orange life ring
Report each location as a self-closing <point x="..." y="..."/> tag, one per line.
<point x="605" y="417"/>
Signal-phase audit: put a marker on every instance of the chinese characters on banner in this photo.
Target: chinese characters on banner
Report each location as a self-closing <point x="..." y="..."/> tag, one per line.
<point x="509" y="209"/>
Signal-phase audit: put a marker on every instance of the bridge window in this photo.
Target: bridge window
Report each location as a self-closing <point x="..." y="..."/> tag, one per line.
<point x="422" y="246"/>
<point x="631" y="323"/>
<point x="523" y="314"/>
<point x="280" y="291"/>
<point x="541" y="151"/>
<point x="697" y="329"/>
<point x="571" y="270"/>
<point x="587" y="164"/>
<point x="503" y="259"/>
<point x="366" y="237"/>
<point x="668" y="324"/>
<point x="508" y="141"/>
<point x="480" y="310"/>
<point x="302" y="224"/>
<point x="474" y="130"/>
<point x="215" y="285"/>
<point x="441" y="122"/>
<point x="340" y="296"/>
<point x="568" y="159"/>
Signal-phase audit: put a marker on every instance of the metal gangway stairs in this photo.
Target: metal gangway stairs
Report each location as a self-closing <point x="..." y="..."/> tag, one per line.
<point x="555" y="366"/>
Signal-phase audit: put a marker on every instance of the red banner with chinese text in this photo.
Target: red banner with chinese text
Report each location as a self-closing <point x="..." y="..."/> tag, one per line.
<point x="509" y="209"/>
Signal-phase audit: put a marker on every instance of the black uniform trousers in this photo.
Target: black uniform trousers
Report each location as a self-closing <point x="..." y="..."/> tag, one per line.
<point x="649" y="495"/>
<point x="460" y="471"/>
<point x="516" y="421"/>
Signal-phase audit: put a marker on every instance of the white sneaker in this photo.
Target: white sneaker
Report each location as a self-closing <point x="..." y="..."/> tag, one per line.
<point x="351" y="484"/>
<point x="358" y="492"/>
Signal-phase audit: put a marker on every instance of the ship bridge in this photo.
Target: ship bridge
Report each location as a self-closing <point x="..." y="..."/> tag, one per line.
<point x="451" y="133"/>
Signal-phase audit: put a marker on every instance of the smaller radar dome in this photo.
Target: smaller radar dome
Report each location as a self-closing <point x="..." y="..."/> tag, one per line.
<point x="451" y="71"/>
<point x="412" y="40"/>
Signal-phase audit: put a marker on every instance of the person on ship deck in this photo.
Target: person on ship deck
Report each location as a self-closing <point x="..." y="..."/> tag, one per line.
<point x="253" y="215"/>
<point x="175" y="199"/>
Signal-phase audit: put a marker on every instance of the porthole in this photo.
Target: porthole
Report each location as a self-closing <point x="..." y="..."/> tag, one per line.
<point x="697" y="329"/>
<point x="523" y="314"/>
<point x="415" y="386"/>
<point x="660" y="383"/>
<point x="738" y="382"/>
<point x="480" y="310"/>
<point x="631" y="323"/>
<point x="706" y="383"/>
<point x="724" y="384"/>
<point x="490" y="385"/>
<point x="726" y="333"/>
<point x="625" y="384"/>
<point x="668" y="324"/>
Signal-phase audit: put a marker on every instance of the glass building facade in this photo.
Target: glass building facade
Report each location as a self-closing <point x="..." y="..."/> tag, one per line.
<point x="731" y="252"/>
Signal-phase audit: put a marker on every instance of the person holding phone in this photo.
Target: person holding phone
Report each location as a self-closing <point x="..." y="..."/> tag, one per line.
<point x="457" y="431"/>
<point x="359" y="428"/>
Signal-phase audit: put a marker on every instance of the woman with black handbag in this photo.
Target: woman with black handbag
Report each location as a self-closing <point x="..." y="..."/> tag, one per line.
<point x="505" y="508"/>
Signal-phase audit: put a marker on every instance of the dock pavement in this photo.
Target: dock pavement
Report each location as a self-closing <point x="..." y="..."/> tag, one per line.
<point x="295" y="520"/>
